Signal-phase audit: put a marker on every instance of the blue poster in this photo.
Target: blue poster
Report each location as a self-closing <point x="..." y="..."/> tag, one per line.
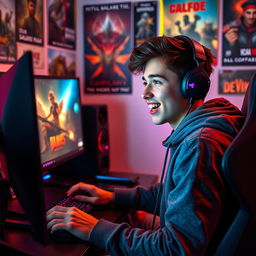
<point x="195" y="19"/>
<point x="145" y="21"/>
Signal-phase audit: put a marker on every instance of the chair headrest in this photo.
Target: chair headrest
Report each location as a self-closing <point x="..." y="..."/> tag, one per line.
<point x="250" y="97"/>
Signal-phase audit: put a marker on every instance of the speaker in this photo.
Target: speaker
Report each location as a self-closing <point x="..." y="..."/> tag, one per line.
<point x="95" y="159"/>
<point x="196" y="82"/>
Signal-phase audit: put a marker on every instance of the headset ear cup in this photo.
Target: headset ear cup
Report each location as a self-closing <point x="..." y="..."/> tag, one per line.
<point x="195" y="84"/>
<point x="184" y="85"/>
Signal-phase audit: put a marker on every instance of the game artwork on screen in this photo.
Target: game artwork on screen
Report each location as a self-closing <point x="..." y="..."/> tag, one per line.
<point x="58" y="115"/>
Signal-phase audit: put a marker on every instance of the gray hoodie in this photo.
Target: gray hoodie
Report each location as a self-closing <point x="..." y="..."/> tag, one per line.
<point x="194" y="195"/>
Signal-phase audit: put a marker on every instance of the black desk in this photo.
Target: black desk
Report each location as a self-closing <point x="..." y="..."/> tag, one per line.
<point x="22" y="239"/>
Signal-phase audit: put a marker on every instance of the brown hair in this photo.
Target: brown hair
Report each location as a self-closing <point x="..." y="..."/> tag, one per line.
<point x="177" y="54"/>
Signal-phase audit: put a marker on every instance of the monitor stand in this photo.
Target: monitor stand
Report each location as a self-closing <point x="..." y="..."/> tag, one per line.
<point x="7" y="197"/>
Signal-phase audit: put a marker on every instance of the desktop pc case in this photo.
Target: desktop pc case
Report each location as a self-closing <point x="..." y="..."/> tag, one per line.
<point x="96" y="158"/>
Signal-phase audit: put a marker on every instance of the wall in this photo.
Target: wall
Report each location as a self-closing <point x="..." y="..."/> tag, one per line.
<point x="45" y="47"/>
<point x="134" y="140"/>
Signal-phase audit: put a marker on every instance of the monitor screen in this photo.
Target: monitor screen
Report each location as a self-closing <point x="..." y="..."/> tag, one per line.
<point x="59" y="119"/>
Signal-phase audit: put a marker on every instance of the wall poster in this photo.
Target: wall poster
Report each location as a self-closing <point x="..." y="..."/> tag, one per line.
<point x="195" y="19"/>
<point x="145" y="21"/>
<point x="61" y="63"/>
<point x="61" y="23"/>
<point x="234" y="81"/>
<point x="107" y="47"/>
<point x="7" y="31"/>
<point x="37" y="54"/>
<point x="29" y="22"/>
<point x="239" y="33"/>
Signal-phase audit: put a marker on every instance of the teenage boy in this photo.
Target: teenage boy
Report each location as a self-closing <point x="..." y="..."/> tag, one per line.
<point x="185" y="211"/>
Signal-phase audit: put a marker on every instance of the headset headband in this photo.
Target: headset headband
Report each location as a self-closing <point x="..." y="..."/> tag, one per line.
<point x="198" y="49"/>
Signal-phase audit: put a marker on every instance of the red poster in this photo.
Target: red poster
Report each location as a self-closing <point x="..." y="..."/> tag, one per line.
<point x="239" y="33"/>
<point x="107" y="47"/>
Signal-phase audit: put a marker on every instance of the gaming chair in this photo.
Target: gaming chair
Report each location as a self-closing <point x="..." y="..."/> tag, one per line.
<point x="239" y="167"/>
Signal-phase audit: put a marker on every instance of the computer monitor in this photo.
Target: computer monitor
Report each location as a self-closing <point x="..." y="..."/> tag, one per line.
<point x="19" y="141"/>
<point x="59" y="120"/>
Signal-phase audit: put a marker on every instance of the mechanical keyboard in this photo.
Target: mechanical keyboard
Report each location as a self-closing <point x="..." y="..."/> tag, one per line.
<point x="70" y="201"/>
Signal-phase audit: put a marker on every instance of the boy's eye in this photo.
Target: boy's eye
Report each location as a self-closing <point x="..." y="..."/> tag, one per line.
<point x="152" y="82"/>
<point x="157" y="82"/>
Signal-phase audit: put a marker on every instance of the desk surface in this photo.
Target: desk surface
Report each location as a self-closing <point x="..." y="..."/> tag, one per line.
<point x="22" y="239"/>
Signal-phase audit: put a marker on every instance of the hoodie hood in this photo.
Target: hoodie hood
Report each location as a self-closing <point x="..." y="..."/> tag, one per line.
<point x="217" y="113"/>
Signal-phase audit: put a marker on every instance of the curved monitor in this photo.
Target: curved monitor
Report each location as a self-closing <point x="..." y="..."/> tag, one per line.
<point x="20" y="142"/>
<point x="31" y="108"/>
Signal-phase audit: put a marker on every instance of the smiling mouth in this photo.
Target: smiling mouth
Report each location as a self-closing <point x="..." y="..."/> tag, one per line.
<point x="153" y="107"/>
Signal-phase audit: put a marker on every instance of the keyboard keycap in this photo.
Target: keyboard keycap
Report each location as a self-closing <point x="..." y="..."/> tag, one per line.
<point x="70" y="201"/>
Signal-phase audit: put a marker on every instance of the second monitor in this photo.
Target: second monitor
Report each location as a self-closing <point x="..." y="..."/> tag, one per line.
<point x="59" y="120"/>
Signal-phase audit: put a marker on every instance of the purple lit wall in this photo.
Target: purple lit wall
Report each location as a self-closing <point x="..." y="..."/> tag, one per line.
<point x="135" y="142"/>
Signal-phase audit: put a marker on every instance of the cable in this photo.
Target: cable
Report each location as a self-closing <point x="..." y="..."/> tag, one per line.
<point x="161" y="185"/>
<point x="191" y="102"/>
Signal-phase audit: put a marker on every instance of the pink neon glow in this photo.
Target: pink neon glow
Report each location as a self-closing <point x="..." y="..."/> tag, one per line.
<point x="47" y="163"/>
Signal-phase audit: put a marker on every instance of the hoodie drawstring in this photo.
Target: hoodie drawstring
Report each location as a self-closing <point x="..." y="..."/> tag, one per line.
<point x="161" y="185"/>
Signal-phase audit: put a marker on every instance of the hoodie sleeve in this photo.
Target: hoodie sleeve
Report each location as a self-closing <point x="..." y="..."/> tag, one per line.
<point x="138" y="198"/>
<point x="192" y="209"/>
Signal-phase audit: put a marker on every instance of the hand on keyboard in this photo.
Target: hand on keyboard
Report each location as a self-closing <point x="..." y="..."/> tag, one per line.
<point x="94" y="195"/>
<point x="71" y="219"/>
<point x="68" y="217"/>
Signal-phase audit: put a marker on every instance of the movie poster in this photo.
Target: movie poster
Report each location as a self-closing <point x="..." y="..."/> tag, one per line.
<point x="29" y="22"/>
<point x="61" y="63"/>
<point x="234" y="81"/>
<point x="7" y="31"/>
<point x="195" y="19"/>
<point x="107" y="45"/>
<point x="37" y="54"/>
<point x="61" y="23"/>
<point x="239" y="33"/>
<point x="145" y="21"/>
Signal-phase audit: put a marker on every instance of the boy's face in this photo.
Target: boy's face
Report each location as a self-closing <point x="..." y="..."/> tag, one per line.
<point x="162" y="94"/>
